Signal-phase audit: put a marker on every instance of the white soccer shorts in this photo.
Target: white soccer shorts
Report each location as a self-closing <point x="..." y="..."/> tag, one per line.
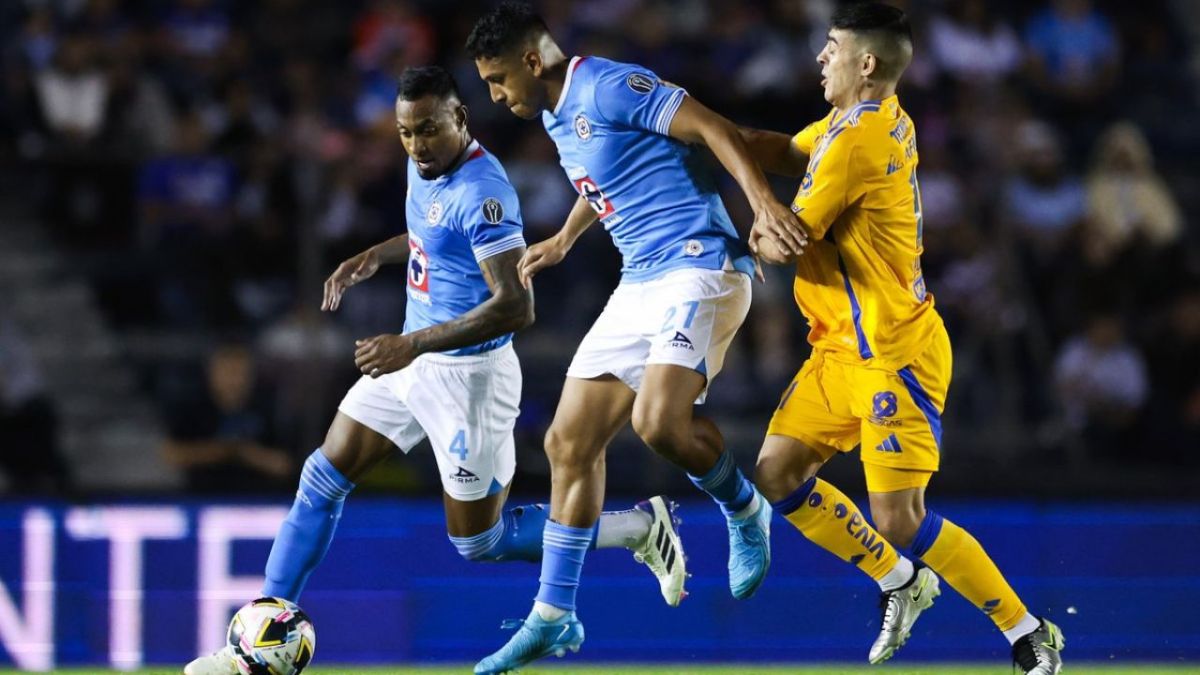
<point x="686" y="318"/>
<point x="466" y="405"/>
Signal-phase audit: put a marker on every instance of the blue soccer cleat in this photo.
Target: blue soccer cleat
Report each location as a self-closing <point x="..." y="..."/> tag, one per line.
<point x="535" y="638"/>
<point x="749" y="550"/>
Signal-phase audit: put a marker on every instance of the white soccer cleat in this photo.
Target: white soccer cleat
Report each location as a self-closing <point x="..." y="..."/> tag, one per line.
<point x="901" y="608"/>
<point x="662" y="551"/>
<point x="217" y="663"/>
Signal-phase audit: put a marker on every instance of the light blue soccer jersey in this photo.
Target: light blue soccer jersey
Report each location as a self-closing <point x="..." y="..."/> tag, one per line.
<point x="454" y="221"/>
<point x="655" y="199"/>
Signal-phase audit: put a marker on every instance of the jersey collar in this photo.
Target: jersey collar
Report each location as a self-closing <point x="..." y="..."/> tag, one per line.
<point x="562" y="96"/>
<point x="469" y="153"/>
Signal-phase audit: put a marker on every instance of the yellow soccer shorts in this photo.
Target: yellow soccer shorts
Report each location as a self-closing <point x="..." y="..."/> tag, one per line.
<point x="895" y="415"/>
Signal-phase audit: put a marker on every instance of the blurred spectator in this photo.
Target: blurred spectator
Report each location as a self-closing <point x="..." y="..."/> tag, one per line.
<point x="73" y="93"/>
<point x="389" y="26"/>
<point x="1102" y="386"/>
<point x="1074" y="52"/>
<point x="222" y="435"/>
<point x="29" y="454"/>
<point x="186" y="201"/>
<point x="974" y="45"/>
<point x="1044" y="201"/>
<point x="1174" y="354"/>
<point x="1127" y="201"/>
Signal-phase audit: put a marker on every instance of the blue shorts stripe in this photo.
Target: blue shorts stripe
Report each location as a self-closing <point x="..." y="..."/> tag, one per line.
<point x="925" y="403"/>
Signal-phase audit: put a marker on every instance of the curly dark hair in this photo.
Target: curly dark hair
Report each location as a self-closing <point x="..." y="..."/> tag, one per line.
<point x="416" y="82"/>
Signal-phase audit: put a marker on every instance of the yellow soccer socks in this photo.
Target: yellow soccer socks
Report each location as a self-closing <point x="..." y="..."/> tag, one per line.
<point x="830" y="520"/>
<point x="955" y="555"/>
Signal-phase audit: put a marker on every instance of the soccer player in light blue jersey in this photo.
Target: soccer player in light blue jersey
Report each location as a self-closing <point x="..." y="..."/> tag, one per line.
<point x="451" y="376"/>
<point x="623" y="138"/>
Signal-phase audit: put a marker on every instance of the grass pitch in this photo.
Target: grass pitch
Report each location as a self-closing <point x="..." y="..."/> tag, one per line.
<point x="748" y="669"/>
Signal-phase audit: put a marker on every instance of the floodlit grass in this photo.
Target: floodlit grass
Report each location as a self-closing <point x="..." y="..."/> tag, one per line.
<point x="748" y="669"/>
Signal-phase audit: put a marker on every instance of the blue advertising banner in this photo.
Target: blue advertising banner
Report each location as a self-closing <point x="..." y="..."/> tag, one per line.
<point x="155" y="583"/>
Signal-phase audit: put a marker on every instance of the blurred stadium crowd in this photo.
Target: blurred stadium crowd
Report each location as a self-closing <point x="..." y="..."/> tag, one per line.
<point x="200" y="166"/>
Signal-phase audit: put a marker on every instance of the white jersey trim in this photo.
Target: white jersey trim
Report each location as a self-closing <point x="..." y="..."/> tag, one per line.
<point x="499" y="246"/>
<point x="562" y="96"/>
<point x="663" y="124"/>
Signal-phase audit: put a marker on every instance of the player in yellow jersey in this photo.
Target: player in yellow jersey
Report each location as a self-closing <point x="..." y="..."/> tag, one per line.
<point x="880" y="364"/>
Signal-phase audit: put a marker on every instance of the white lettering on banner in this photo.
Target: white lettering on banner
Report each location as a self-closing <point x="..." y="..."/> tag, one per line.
<point x="220" y="592"/>
<point x="30" y="642"/>
<point x="127" y="528"/>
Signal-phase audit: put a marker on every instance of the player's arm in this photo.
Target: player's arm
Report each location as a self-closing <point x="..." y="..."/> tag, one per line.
<point x="550" y="252"/>
<point x="775" y="153"/>
<point x="510" y="308"/>
<point x="361" y="267"/>
<point x="694" y="123"/>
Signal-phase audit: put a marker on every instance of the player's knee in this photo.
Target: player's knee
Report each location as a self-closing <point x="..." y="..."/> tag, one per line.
<point x="667" y="436"/>
<point x="897" y="525"/>
<point x="566" y="451"/>
<point x="778" y="476"/>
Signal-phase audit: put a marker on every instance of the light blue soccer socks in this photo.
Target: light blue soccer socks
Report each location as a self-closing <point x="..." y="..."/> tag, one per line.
<point x="727" y="485"/>
<point x="308" y="529"/>
<point x="564" y="548"/>
<point x="516" y="536"/>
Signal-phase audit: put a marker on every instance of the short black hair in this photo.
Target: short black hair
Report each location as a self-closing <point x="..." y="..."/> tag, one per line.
<point x="416" y="82"/>
<point x="872" y="16"/>
<point x="887" y="29"/>
<point x="503" y="29"/>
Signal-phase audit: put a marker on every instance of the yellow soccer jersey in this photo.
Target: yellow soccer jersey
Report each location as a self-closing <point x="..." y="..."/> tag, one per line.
<point x="859" y="283"/>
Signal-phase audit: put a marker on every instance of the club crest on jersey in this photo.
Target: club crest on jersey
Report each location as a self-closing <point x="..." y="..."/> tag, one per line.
<point x="693" y="248"/>
<point x="434" y="213"/>
<point x="639" y="83"/>
<point x="493" y="210"/>
<point x="583" y="128"/>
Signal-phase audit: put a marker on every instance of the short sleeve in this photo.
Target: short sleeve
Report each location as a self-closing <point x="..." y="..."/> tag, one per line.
<point x="804" y="140"/>
<point x="831" y="183"/>
<point x="634" y="97"/>
<point x="491" y="219"/>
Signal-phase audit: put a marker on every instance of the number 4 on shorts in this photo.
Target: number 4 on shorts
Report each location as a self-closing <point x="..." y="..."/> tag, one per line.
<point x="459" y="445"/>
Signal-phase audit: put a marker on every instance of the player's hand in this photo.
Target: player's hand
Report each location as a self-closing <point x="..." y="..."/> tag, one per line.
<point x="538" y="257"/>
<point x="776" y="221"/>
<point x="767" y="250"/>
<point x="384" y="354"/>
<point x="354" y="270"/>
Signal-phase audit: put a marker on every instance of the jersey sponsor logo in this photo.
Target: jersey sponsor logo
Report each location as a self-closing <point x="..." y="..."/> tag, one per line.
<point x="884" y="407"/>
<point x="434" y="213"/>
<point x="463" y="476"/>
<point x="583" y="128"/>
<point x="806" y="183"/>
<point x="640" y="83"/>
<point x="587" y="188"/>
<point x="418" y="271"/>
<point x="493" y="210"/>
<point x="693" y="248"/>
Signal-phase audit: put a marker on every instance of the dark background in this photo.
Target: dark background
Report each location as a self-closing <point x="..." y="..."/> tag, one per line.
<point x="177" y="178"/>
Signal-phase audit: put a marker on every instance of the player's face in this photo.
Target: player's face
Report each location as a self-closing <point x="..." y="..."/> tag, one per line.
<point x="511" y="82"/>
<point x="841" y="66"/>
<point x="433" y="131"/>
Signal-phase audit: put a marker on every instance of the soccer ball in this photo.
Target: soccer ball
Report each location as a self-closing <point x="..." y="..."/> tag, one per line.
<point x="271" y="636"/>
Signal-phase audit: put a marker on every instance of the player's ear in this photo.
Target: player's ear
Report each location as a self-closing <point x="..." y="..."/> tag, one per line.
<point x="460" y="116"/>
<point x="533" y="61"/>
<point x="869" y="64"/>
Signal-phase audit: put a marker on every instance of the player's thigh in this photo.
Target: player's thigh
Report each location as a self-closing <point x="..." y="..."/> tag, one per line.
<point x="590" y="413"/>
<point x="695" y="315"/>
<point x="666" y="397"/>
<point x="469" y="518"/>
<point x="815" y="411"/>
<point x="372" y="419"/>
<point x="468" y="406"/>
<point x="785" y="463"/>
